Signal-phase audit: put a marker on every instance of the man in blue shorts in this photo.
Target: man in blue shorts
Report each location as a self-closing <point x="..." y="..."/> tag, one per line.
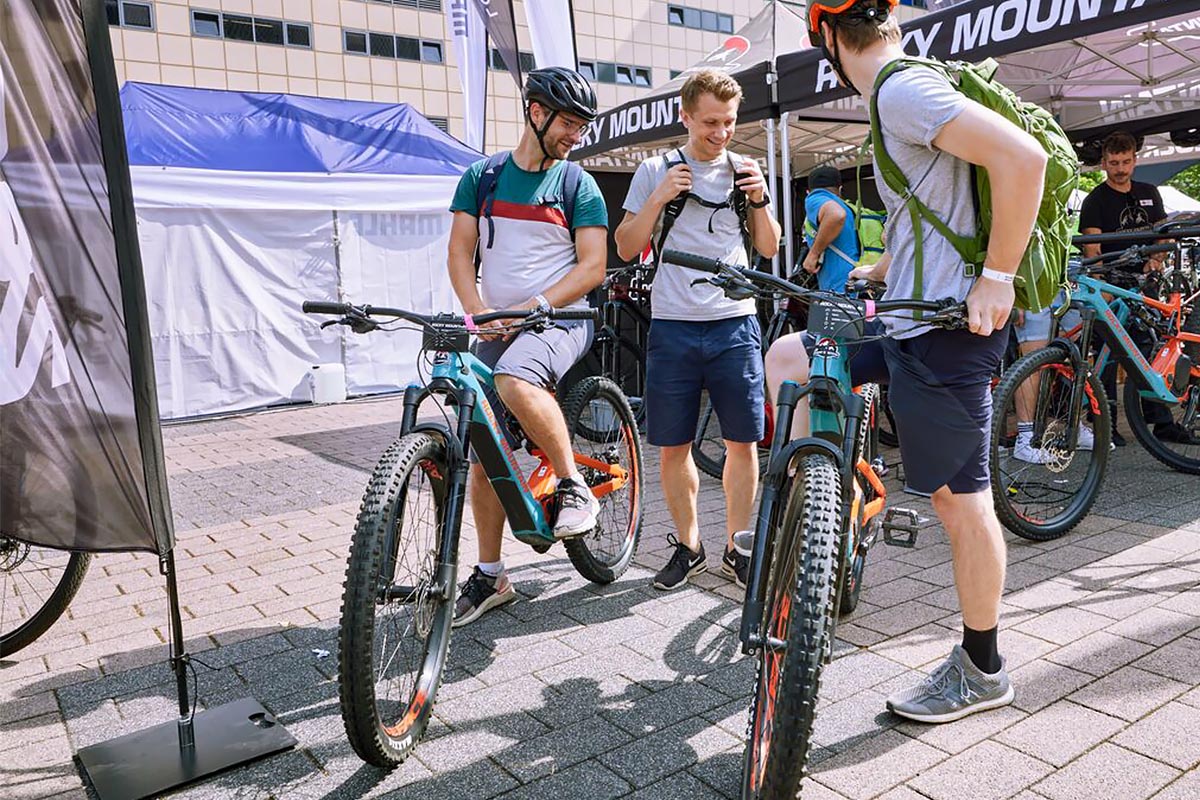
<point x="531" y="256"/>
<point x="693" y="200"/>
<point x="940" y="381"/>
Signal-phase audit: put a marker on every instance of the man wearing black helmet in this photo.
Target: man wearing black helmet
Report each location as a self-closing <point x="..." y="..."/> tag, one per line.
<point x="940" y="380"/>
<point x="540" y="227"/>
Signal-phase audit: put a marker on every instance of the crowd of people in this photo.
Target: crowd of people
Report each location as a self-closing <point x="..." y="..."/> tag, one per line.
<point x="704" y="199"/>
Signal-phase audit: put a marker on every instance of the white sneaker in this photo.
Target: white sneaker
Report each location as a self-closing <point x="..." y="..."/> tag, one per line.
<point x="1023" y="450"/>
<point x="1086" y="439"/>
<point x="578" y="509"/>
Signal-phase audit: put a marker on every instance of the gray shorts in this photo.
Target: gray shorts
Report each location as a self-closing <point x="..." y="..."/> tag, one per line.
<point x="1036" y="327"/>
<point x="538" y="358"/>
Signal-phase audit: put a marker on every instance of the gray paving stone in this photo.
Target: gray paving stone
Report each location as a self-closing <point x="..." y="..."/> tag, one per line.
<point x="665" y="707"/>
<point x="1179" y="659"/>
<point x="680" y="786"/>
<point x="1107" y="771"/>
<point x="1061" y="732"/>
<point x="586" y="781"/>
<point x="1171" y="734"/>
<point x="878" y="764"/>
<point x="1155" y="625"/>
<point x="563" y="748"/>
<point x="1129" y="693"/>
<point x="1187" y="787"/>
<point x="1099" y="653"/>
<point x="1064" y="625"/>
<point x="848" y="723"/>
<point x="1041" y="683"/>
<point x="966" y="732"/>
<point x="987" y="771"/>
<point x="653" y="757"/>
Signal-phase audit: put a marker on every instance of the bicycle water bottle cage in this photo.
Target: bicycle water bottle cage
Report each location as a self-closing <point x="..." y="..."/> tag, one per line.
<point x="840" y="319"/>
<point x="446" y="335"/>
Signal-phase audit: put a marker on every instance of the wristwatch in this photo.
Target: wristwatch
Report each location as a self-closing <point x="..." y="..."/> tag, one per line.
<point x="766" y="201"/>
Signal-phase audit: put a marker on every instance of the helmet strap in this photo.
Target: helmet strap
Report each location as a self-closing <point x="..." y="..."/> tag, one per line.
<point x="540" y="133"/>
<point x="833" y="56"/>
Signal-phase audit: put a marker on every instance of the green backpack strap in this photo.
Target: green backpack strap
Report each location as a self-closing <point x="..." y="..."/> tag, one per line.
<point x="967" y="247"/>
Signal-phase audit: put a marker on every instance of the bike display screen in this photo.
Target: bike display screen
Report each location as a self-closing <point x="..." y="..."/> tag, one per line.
<point x="840" y="319"/>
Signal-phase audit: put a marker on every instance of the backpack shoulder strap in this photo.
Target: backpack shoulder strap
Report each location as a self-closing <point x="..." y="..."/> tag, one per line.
<point x="671" y="210"/>
<point x="741" y="207"/>
<point x="485" y="192"/>
<point x="572" y="177"/>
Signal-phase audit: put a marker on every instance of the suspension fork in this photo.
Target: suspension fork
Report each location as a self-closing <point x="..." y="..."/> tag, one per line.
<point x="764" y="535"/>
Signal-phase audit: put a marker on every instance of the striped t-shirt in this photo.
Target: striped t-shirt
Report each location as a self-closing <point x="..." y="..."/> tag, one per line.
<point x="532" y="249"/>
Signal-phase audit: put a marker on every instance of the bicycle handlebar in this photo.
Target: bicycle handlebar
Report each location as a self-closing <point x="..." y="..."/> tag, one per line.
<point x="346" y="309"/>
<point x="950" y="308"/>
<point x="1137" y="251"/>
<point x="1170" y="230"/>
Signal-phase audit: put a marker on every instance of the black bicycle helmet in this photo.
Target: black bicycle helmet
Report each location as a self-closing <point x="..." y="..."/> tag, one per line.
<point x="561" y="89"/>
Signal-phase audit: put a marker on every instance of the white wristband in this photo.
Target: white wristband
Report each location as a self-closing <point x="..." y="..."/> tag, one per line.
<point x="997" y="275"/>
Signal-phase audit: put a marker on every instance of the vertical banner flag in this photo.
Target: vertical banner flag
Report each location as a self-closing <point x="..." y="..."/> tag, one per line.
<point x="501" y="25"/>
<point x="552" y="28"/>
<point x="75" y="468"/>
<point x="470" y="48"/>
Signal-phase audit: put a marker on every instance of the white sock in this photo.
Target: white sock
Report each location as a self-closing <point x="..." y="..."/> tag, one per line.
<point x="493" y="569"/>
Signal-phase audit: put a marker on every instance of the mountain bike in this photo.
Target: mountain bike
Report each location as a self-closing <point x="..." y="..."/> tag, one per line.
<point x="823" y="506"/>
<point x="708" y="446"/>
<point x="1059" y="386"/>
<point x="398" y="603"/>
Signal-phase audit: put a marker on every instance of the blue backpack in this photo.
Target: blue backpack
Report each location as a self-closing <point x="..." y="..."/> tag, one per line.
<point x="485" y="192"/>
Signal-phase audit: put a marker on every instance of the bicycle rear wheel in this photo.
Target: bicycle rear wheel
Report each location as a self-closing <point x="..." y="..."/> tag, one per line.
<point x="398" y="604"/>
<point x="797" y="623"/>
<point x="1185" y="416"/>
<point x="1042" y="489"/>
<point x="603" y="428"/>
<point x="38" y="583"/>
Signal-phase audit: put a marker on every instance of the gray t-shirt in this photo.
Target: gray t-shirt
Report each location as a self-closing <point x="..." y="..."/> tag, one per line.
<point x="698" y="230"/>
<point x="914" y="105"/>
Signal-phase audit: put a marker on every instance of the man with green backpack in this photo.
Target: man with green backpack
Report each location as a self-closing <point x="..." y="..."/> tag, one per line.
<point x="967" y="219"/>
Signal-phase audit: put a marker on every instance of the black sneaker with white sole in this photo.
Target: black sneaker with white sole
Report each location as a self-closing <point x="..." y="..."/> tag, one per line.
<point x="682" y="565"/>
<point x="479" y="593"/>
<point x="736" y="566"/>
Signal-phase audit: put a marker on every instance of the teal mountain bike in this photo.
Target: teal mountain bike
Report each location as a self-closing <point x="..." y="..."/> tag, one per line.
<point x="1057" y="389"/>
<point x="401" y="577"/>
<point x="823" y="506"/>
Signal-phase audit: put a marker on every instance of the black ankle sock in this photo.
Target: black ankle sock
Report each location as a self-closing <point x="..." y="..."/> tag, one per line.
<point x="981" y="648"/>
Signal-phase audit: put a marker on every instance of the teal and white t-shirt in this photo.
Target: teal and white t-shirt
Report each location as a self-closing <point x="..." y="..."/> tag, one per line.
<point x="532" y="249"/>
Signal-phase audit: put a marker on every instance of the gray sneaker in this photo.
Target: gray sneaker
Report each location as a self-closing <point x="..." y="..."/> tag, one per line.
<point x="954" y="690"/>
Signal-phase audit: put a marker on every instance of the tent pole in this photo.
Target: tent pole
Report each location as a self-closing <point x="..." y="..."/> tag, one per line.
<point x="771" y="179"/>
<point x="785" y="162"/>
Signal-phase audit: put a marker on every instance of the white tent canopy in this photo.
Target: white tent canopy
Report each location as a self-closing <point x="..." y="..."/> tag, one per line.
<point x="249" y="204"/>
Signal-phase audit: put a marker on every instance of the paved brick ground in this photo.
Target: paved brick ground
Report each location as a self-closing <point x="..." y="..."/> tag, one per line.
<point x="582" y="692"/>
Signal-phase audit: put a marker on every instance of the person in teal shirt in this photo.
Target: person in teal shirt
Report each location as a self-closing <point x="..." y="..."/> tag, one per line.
<point x="829" y="229"/>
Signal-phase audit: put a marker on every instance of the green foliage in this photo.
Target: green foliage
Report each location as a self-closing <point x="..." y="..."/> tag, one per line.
<point x="1090" y="180"/>
<point x="1188" y="181"/>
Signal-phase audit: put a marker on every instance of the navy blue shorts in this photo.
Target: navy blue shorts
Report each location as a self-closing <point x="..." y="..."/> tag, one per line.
<point x="684" y="358"/>
<point x="940" y="394"/>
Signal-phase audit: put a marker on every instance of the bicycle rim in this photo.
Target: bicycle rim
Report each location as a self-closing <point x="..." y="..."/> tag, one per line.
<point x="1043" y="491"/>
<point x="1179" y="456"/>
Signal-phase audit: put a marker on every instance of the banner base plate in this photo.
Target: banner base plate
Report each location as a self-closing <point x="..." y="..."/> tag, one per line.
<point x="150" y="761"/>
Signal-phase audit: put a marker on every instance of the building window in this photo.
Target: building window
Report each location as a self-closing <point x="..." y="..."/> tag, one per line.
<point x="260" y="30"/>
<point x="621" y="74"/>
<point x="130" y="15"/>
<point x="526" y="60"/>
<point x="441" y="123"/>
<point x="299" y="35"/>
<point x="421" y="5"/>
<point x="688" y="17"/>
<point x="385" y="45"/>
<point x="675" y="73"/>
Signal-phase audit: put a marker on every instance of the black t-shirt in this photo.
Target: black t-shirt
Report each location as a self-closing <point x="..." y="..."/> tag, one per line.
<point x="1111" y="211"/>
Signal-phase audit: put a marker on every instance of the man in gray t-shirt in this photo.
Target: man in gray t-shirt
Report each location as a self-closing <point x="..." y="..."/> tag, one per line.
<point x="940" y="380"/>
<point x="699" y="339"/>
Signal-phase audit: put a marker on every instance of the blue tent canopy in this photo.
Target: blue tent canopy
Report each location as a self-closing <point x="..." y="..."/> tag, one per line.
<point x="172" y="126"/>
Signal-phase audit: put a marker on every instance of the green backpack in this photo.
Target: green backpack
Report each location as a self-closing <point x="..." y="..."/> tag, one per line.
<point x="868" y="228"/>
<point x="1042" y="272"/>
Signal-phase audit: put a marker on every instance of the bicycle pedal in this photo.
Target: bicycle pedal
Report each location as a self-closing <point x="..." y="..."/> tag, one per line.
<point x="901" y="526"/>
<point x="880" y="466"/>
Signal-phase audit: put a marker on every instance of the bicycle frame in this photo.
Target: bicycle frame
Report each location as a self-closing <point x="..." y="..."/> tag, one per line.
<point x="1087" y="295"/>
<point x="526" y="504"/>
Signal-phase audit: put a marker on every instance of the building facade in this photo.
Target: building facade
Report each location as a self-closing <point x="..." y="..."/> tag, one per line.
<point x="400" y="51"/>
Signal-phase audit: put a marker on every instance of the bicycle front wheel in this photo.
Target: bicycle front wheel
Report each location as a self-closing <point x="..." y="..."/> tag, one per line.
<point x="1041" y="487"/>
<point x="603" y="430"/>
<point x="36" y="586"/>
<point x="398" y="604"/>
<point x="796" y="627"/>
<point x="1182" y="418"/>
